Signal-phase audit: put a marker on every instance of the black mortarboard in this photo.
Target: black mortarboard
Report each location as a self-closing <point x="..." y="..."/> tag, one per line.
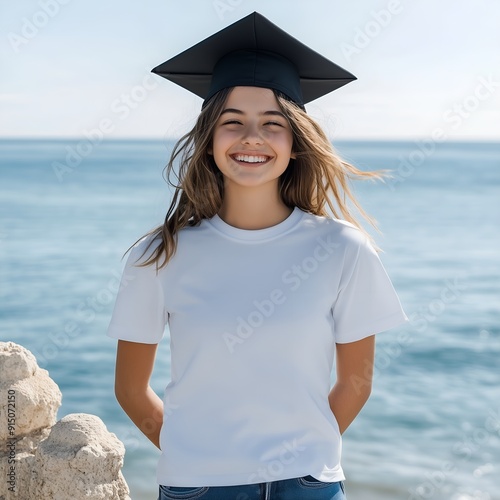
<point x="254" y="52"/>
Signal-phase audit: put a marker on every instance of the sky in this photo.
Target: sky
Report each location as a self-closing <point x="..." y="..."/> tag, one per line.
<point x="74" y="68"/>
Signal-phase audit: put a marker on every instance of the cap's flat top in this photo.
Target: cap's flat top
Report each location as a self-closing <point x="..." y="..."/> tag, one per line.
<point x="193" y="68"/>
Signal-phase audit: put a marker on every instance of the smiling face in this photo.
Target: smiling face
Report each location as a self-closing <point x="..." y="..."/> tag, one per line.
<point x="252" y="141"/>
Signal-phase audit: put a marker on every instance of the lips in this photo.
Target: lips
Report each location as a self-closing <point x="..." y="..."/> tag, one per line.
<point x="252" y="159"/>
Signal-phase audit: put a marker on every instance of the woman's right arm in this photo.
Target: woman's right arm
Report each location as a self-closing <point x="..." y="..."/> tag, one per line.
<point x="134" y="365"/>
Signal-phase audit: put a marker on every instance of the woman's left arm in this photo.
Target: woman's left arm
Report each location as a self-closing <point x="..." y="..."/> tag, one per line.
<point x="354" y="380"/>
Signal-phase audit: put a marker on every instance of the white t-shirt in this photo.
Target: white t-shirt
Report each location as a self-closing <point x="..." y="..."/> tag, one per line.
<point x="254" y="316"/>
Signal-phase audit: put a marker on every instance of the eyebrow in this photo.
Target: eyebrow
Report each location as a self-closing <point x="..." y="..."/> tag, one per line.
<point x="265" y="113"/>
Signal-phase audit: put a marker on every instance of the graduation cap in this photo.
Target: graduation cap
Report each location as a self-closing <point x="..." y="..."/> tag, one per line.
<point x="254" y="52"/>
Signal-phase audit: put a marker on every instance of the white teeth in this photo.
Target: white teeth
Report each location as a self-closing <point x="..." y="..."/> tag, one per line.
<point x="251" y="159"/>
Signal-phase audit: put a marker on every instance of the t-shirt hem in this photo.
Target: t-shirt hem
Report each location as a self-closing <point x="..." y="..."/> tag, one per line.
<point x="386" y="323"/>
<point x="120" y="335"/>
<point x="240" y="479"/>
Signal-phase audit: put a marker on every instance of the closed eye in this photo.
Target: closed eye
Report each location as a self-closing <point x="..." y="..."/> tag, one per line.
<point x="278" y="124"/>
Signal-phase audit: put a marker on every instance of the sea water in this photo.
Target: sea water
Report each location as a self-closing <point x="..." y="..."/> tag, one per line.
<point x="431" y="429"/>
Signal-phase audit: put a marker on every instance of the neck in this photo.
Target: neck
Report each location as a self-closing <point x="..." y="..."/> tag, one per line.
<point x="253" y="208"/>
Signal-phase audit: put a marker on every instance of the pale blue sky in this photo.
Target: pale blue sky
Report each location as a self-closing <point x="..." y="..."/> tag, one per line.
<point x="67" y="66"/>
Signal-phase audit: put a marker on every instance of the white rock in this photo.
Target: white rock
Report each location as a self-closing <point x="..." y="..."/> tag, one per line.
<point x="16" y="362"/>
<point x="75" y="458"/>
<point x="85" y="458"/>
<point x="26" y="392"/>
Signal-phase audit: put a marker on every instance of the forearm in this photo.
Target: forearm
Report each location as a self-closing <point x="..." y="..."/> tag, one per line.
<point x="346" y="402"/>
<point x="145" y="409"/>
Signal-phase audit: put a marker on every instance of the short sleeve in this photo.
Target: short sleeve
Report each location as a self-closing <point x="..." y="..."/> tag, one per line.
<point x="366" y="302"/>
<point x="139" y="313"/>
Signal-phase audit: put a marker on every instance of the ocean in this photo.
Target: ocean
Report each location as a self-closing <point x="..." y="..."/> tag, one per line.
<point x="431" y="429"/>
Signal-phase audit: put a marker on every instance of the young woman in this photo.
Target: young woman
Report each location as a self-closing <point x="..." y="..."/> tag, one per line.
<point x="260" y="288"/>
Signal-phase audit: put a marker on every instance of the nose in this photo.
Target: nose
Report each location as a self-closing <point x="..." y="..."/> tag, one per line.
<point x="252" y="135"/>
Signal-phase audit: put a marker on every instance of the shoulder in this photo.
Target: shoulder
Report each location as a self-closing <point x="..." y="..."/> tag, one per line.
<point x="143" y="249"/>
<point x="341" y="233"/>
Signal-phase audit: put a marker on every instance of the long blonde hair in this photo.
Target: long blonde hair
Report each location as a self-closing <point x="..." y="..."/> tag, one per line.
<point x="316" y="180"/>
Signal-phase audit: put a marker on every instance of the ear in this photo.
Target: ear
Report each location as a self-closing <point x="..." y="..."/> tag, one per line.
<point x="293" y="156"/>
<point x="210" y="150"/>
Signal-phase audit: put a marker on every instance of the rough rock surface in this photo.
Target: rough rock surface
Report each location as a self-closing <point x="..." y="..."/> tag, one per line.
<point x="37" y="397"/>
<point x="85" y="458"/>
<point x="75" y="458"/>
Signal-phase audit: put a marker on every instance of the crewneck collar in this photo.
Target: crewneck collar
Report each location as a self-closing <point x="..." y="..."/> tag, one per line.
<point x="256" y="234"/>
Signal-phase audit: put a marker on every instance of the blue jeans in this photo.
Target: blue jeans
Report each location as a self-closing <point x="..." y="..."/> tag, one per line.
<point x="300" y="488"/>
